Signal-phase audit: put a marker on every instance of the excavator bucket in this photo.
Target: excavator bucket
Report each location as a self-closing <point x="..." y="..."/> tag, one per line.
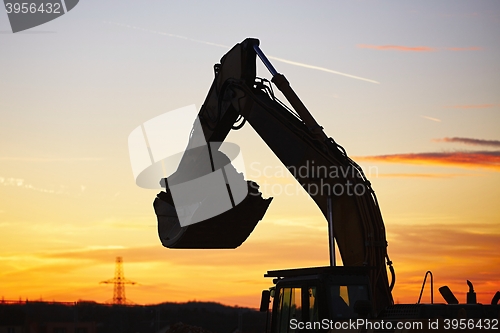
<point x="224" y="231"/>
<point x="207" y="204"/>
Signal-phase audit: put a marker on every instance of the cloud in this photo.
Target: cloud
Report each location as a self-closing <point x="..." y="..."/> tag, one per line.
<point x="290" y="62"/>
<point x="416" y="48"/>
<point x="472" y="48"/>
<point x="422" y="175"/>
<point x="294" y="252"/>
<point x="21" y="183"/>
<point x="471" y="106"/>
<point x="454" y="253"/>
<point x="468" y="159"/>
<point x="398" y="48"/>
<point x="11" y="181"/>
<point x="464" y="241"/>
<point x="49" y="159"/>
<point x="469" y="141"/>
<point x="64" y="274"/>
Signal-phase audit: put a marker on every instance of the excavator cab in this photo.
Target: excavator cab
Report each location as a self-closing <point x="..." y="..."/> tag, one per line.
<point x="312" y="298"/>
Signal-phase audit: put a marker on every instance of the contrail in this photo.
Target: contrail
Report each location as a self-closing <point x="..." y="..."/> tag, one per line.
<point x="430" y="118"/>
<point x="294" y="63"/>
<point x="321" y="69"/>
<point x="166" y="34"/>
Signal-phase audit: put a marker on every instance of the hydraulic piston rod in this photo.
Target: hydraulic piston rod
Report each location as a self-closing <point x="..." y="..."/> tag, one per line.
<point x="284" y="86"/>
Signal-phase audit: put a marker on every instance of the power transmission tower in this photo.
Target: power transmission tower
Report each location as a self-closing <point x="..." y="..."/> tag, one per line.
<point x="119" y="283"/>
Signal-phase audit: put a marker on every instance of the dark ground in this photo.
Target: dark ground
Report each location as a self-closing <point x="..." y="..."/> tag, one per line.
<point x="213" y="317"/>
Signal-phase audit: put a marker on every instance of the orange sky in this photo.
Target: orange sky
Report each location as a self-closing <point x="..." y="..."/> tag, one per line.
<point x="58" y="246"/>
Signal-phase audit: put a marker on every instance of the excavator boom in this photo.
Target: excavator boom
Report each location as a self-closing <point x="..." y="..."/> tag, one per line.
<point x="346" y="199"/>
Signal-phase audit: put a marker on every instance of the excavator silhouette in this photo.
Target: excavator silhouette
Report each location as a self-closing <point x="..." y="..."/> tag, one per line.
<point x="360" y="288"/>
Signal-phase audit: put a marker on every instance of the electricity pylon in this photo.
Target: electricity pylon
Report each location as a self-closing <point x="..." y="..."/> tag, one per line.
<point x="119" y="283"/>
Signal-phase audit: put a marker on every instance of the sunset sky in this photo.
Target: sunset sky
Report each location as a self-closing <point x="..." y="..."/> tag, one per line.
<point x="418" y="108"/>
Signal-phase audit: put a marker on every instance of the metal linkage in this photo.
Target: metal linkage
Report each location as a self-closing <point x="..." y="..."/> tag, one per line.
<point x="423" y="285"/>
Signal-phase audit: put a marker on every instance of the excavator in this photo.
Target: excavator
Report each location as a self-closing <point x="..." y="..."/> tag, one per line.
<point x="361" y="288"/>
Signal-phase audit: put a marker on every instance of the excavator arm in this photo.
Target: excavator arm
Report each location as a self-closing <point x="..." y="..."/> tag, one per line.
<point x="334" y="181"/>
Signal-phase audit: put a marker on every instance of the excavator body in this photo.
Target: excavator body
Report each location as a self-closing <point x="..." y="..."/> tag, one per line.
<point x="339" y="298"/>
<point x="359" y="289"/>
